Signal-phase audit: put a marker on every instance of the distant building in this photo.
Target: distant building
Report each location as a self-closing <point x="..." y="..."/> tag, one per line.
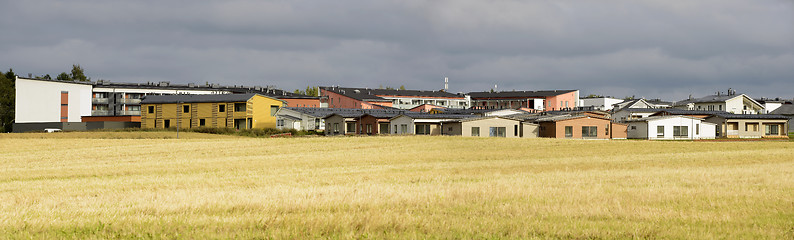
<point x="671" y="127"/>
<point x="539" y="100"/>
<point x="366" y="98"/>
<point x="239" y="111"/>
<point x="600" y="103"/>
<point x="732" y="102"/>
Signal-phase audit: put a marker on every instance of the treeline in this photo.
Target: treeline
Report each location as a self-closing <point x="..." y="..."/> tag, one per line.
<point x="8" y="92"/>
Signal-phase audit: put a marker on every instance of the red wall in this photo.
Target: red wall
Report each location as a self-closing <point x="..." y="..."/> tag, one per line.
<point x="300" y="102"/>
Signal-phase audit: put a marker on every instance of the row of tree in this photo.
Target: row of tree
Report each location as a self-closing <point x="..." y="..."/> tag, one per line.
<point x="8" y="92"/>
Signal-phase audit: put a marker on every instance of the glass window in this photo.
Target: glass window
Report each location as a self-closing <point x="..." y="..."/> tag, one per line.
<point x="475" y="131"/>
<point x="497" y="131"/>
<point x="772" y="129"/>
<point x="336" y="127"/>
<point x="660" y="131"/>
<point x="589" y="131"/>
<point x="239" y="107"/>
<point x="150" y="109"/>
<point x="202" y="122"/>
<point x="404" y="128"/>
<point x="273" y="110"/>
<point x="422" y="129"/>
<point x="680" y="131"/>
<point x="351" y="127"/>
<point x="568" y="131"/>
<point x="185" y="108"/>
<point x="222" y="108"/>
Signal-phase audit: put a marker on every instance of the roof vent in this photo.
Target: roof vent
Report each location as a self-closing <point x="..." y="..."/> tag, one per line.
<point x="356" y="91"/>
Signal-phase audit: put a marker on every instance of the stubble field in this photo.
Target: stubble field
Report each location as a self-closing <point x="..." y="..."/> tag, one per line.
<point x="76" y="185"/>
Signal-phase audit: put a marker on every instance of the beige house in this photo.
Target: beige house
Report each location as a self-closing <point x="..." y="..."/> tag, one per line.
<point x="494" y="126"/>
<point x="750" y="125"/>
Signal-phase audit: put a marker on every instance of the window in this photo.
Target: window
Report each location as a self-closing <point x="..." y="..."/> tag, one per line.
<point x="280" y="122"/>
<point x="404" y="128"/>
<point x="680" y="131"/>
<point x="273" y="110"/>
<point x="475" y="131"/>
<point x="497" y="131"/>
<point x="751" y="127"/>
<point x="660" y="131"/>
<point x="239" y="107"/>
<point x="566" y="104"/>
<point x="607" y="129"/>
<point x="351" y="127"/>
<point x="150" y="109"/>
<point x="423" y="129"/>
<point x="515" y="130"/>
<point x="222" y="108"/>
<point x="185" y="108"/>
<point x="369" y="128"/>
<point x="633" y="127"/>
<point x="166" y="123"/>
<point x="336" y="127"/>
<point x="720" y="107"/>
<point x="697" y="129"/>
<point x="773" y="129"/>
<point x="569" y="131"/>
<point x="589" y="131"/>
<point x="202" y="122"/>
<point x="384" y="128"/>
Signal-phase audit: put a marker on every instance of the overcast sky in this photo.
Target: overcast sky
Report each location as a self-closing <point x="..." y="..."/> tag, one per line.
<point x="658" y="48"/>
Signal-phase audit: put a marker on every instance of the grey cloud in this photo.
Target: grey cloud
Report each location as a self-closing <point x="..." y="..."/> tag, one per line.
<point x="652" y="48"/>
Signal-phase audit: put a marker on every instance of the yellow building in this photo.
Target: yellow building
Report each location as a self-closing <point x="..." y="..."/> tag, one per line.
<point x="240" y="111"/>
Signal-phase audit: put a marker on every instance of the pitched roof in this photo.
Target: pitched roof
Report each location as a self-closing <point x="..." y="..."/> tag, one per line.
<point x="674" y="111"/>
<point x="714" y="99"/>
<point x="785" y="109"/>
<point x="518" y="94"/>
<point x="348" y="112"/>
<point x="750" y="116"/>
<point x="661" y="117"/>
<point x="198" y="98"/>
<point x="565" y="117"/>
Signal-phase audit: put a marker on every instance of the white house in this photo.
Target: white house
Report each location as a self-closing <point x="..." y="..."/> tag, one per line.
<point x="304" y="119"/>
<point x="422" y="124"/>
<point x="671" y="127"/>
<point x="732" y="103"/>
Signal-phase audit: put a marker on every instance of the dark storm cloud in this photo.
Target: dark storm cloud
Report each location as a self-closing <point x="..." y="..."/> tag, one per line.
<point x="667" y="49"/>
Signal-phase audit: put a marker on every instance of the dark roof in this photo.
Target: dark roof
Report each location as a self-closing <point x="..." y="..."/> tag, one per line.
<point x="750" y="116"/>
<point x="518" y="94"/>
<point x="197" y="98"/>
<point x="373" y="94"/>
<point x="465" y="111"/>
<point x="417" y="115"/>
<point x="350" y="112"/>
<point x="56" y="80"/>
<point x="674" y="111"/>
<point x="785" y="109"/>
<point x="641" y="109"/>
<point x="708" y="99"/>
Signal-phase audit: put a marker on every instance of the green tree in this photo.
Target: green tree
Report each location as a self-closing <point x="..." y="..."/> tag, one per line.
<point x="7" y="99"/>
<point x="312" y="91"/>
<point x="402" y="87"/>
<point x="78" y="74"/>
<point x="64" y="77"/>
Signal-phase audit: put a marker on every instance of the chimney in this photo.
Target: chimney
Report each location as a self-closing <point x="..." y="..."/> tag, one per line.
<point x="446" y="84"/>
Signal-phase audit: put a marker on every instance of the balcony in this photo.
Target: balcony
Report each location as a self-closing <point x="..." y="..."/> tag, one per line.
<point x="130" y="101"/>
<point x="131" y="113"/>
<point x="101" y="113"/>
<point x="99" y="100"/>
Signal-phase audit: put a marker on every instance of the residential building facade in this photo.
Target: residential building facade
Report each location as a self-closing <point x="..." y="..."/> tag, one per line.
<point x="671" y="127"/>
<point x="239" y="111"/>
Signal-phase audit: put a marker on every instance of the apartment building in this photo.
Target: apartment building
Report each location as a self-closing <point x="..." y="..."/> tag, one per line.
<point x="538" y="100"/>
<point x="366" y="98"/>
<point x="239" y="111"/>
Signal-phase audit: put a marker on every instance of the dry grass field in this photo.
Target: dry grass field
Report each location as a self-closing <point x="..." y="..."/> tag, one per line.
<point x="95" y="186"/>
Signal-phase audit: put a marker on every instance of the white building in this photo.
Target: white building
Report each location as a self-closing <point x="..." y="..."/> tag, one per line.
<point x="671" y="127"/>
<point x="51" y="101"/>
<point x="600" y="103"/>
<point x="732" y="103"/>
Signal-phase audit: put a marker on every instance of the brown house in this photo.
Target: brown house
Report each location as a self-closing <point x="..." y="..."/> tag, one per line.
<point x="580" y="127"/>
<point x="375" y="123"/>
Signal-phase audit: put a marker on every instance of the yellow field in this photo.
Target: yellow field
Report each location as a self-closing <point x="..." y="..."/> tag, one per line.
<point x="392" y="187"/>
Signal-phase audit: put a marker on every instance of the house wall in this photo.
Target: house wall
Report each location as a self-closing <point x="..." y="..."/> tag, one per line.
<point x="367" y="120"/>
<point x="302" y="102"/>
<point x="558" y="102"/>
<point x="336" y="100"/>
<point x="745" y="131"/>
<point x="40" y="101"/>
<point x="618" y="130"/>
<point x="557" y="129"/>
<point x="260" y="107"/>
<point x="397" y="122"/>
<point x="530" y="130"/>
<point x="604" y="104"/>
<point x="512" y="127"/>
<point x="706" y="129"/>
<point x="329" y="125"/>
<point x="637" y="130"/>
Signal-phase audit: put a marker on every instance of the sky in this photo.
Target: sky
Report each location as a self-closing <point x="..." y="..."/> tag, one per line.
<point x="644" y="48"/>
